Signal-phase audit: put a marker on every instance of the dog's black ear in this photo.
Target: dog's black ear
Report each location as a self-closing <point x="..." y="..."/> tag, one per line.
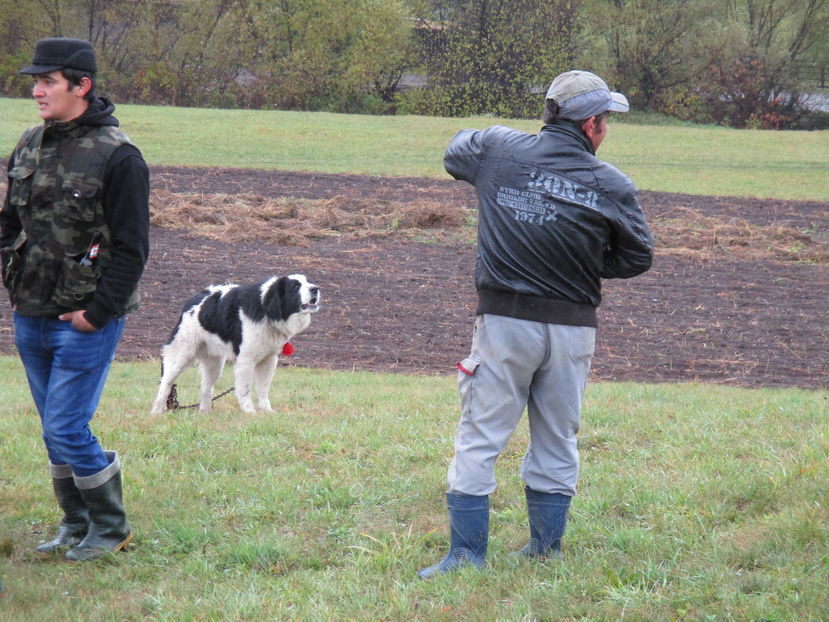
<point x="280" y="286"/>
<point x="282" y="298"/>
<point x="272" y="300"/>
<point x="292" y="298"/>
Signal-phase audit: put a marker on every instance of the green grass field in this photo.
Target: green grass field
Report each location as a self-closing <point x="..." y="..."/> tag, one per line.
<point x="697" y="502"/>
<point x="670" y="158"/>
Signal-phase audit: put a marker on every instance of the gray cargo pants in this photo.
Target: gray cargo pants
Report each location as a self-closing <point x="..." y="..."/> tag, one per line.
<point x="515" y="364"/>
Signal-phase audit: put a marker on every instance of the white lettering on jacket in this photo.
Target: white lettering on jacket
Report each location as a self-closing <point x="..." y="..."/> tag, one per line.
<point x="527" y="205"/>
<point x="563" y="189"/>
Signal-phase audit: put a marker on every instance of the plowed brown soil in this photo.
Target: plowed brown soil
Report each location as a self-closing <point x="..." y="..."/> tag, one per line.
<point x="737" y="293"/>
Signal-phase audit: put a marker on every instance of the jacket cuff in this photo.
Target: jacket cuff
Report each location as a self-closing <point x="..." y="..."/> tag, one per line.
<point x="97" y="317"/>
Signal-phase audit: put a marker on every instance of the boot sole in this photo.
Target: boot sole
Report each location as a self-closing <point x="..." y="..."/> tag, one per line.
<point x="119" y="547"/>
<point x="124" y="544"/>
<point x="63" y="548"/>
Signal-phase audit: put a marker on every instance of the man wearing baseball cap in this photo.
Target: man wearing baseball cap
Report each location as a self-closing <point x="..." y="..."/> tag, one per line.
<point x="74" y="238"/>
<point x="554" y="220"/>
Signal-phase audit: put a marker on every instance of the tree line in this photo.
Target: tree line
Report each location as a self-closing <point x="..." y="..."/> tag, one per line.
<point x="742" y="63"/>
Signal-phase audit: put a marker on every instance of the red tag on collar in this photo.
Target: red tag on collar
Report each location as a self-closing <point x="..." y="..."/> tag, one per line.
<point x="287" y="349"/>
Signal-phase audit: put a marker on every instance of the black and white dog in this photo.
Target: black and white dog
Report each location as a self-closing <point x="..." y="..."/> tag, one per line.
<point x="246" y="323"/>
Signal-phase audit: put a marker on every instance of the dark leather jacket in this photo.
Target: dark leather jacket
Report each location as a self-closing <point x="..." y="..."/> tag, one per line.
<point x="553" y="221"/>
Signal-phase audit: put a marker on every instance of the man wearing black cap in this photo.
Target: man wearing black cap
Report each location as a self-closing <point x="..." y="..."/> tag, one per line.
<point x="74" y="238"/>
<point x="553" y="221"/>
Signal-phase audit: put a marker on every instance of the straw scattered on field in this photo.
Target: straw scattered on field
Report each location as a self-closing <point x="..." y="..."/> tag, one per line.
<point x="291" y="221"/>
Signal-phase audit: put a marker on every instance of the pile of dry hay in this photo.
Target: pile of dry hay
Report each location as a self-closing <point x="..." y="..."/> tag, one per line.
<point x="690" y="233"/>
<point x="297" y="221"/>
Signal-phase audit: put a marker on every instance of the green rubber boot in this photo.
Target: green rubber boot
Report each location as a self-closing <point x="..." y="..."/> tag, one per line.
<point x="109" y="530"/>
<point x="73" y="526"/>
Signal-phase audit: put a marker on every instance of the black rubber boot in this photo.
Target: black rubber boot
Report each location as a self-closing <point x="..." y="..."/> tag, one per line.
<point x="547" y="513"/>
<point x="109" y="530"/>
<point x="75" y="520"/>
<point x="469" y="533"/>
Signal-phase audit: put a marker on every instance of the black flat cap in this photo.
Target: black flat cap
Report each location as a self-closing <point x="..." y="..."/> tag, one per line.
<point x="56" y="53"/>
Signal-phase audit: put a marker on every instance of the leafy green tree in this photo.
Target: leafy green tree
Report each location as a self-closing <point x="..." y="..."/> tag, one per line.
<point x="382" y="49"/>
<point x="341" y="55"/>
<point x="736" y="62"/>
<point x="485" y="56"/>
<point x="190" y="54"/>
<point x="759" y="79"/>
<point x="16" y="20"/>
<point x="653" y="50"/>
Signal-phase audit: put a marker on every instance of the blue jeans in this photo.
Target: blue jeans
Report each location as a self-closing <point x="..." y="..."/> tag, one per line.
<point x="67" y="370"/>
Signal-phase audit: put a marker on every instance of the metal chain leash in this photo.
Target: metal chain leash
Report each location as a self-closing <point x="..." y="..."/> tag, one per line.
<point x="172" y="399"/>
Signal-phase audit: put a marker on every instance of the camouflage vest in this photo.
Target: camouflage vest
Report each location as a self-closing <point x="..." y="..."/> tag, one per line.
<point x="57" y="186"/>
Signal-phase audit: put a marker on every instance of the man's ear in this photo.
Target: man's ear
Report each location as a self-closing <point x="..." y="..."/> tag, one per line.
<point x="589" y="127"/>
<point x="84" y="87"/>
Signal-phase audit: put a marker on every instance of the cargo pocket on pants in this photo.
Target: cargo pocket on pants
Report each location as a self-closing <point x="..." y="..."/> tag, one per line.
<point x="466" y="374"/>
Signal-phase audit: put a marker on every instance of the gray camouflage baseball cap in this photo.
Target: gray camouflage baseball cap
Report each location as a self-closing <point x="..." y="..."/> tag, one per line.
<point x="581" y="95"/>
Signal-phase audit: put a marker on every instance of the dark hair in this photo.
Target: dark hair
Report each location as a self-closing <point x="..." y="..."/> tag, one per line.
<point x="551" y="114"/>
<point x="74" y="77"/>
